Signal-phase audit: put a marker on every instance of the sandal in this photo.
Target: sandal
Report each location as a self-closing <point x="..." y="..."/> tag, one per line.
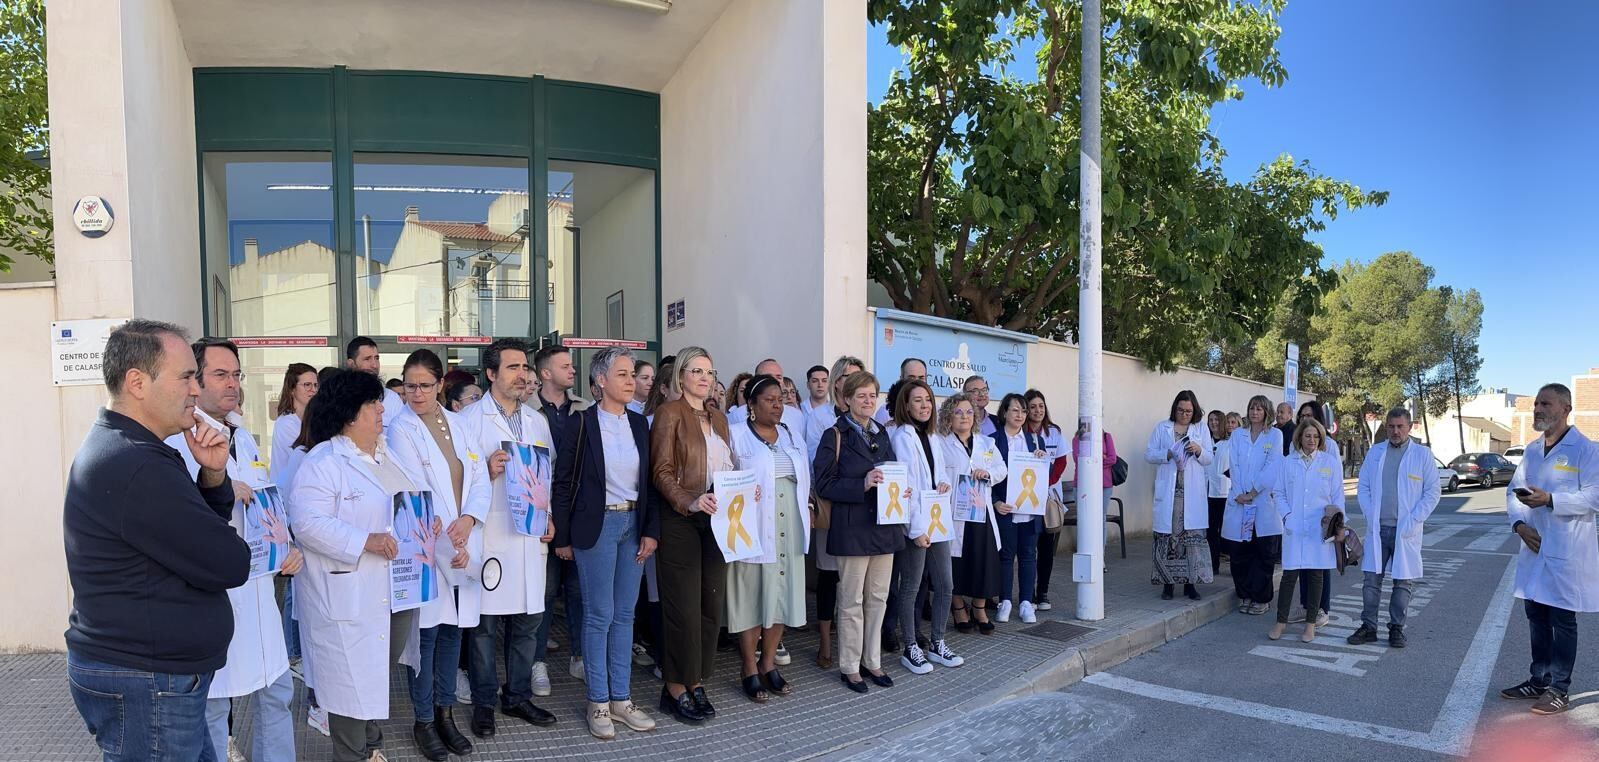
<point x="963" y="622"/>
<point x="752" y="689"/>
<point x="775" y="681"/>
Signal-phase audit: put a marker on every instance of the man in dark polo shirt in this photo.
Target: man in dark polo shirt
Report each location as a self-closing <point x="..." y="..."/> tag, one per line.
<point x="150" y="555"/>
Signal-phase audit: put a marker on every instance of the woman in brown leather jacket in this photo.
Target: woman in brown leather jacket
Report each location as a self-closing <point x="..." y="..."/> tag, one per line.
<point x="689" y="443"/>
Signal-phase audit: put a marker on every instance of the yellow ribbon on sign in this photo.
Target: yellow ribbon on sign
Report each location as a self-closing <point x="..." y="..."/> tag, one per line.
<point x="735" y="524"/>
<point x="938" y="523"/>
<point x="1029" y="483"/>
<point x="893" y="502"/>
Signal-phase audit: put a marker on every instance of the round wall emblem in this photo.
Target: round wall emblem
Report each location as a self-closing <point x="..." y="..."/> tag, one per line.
<point x="93" y="217"/>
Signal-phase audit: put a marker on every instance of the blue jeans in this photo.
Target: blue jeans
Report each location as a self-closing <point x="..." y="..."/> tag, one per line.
<point x="434" y="684"/>
<point x="1554" y="645"/>
<point x="561" y="576"/>
<point x="137" y="715"/>
<point x="1371" y="588"/>
<point x="518" y="632"/>
<point x="610" y="574"/>
<point x="1018" y="549"/>
<point x="291" y="628"/>
<point x="272" y="739"/>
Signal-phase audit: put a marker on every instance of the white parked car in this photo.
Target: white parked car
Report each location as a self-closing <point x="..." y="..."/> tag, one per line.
<point x="1514" y="454"/>
<point x="1448" y="480"/>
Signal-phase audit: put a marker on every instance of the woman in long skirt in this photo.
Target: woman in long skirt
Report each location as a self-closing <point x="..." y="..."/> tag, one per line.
<point x="1181" y="449"/>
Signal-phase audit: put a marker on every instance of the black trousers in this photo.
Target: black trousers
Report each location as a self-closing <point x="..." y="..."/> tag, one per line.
<point x="1253" y="562"/>
<point x="693" y="582"/>
<point x="826" y="595"/>
<point x="1218" y="509"/>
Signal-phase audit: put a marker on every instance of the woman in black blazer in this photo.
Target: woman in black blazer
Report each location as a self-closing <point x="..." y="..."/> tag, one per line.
<point x="607" y="522"/>
<point x="846" y="473"/>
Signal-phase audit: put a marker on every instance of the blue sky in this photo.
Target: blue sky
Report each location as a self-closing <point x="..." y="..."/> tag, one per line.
<point x="1477" y="116"/>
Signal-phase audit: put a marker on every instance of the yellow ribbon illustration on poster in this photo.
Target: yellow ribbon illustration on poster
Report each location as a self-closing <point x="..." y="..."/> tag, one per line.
<point x="936" y="526"/>
<point x="893" y="502"/>
<point x="1029" y="489"/>
<point x="735" y="524"/>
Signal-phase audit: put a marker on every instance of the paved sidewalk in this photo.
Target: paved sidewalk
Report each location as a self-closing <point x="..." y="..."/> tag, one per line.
<point x="821" y="719"/>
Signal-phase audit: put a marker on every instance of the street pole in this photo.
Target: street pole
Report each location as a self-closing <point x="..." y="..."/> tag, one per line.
<point x="1088" y="563"/>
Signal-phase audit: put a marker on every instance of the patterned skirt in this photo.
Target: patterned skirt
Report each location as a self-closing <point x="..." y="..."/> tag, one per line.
<point x="1182" y="557"/>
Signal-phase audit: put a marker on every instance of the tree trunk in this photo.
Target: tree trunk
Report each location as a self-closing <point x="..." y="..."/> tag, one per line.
<point x="1459" y="421"/>
<point x="1421" y="408"/>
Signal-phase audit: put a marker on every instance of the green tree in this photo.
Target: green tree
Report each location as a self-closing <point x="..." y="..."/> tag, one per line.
<point x="25" y="221"/>
<point x="1380" y="334"/>
<point x="1458" y="372"/>
<point x="973" y="173"/>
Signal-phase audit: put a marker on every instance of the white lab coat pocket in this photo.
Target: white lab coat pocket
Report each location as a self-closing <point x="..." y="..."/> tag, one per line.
<point x="344" y="595"/>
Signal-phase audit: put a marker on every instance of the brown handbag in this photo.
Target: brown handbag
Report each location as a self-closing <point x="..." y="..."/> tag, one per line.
<point x="822" y="508"/>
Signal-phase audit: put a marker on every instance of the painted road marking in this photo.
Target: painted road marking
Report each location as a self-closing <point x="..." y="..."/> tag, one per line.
<point x="1433" y="536"/>
<point x="1490" y="540"/>
<point x="1451" y="732"/>
<point x="1329" y="651"/>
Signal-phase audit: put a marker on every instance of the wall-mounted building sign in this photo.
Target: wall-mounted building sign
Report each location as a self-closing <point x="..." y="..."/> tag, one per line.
<point x="77" y="349"/>
<point x="92" y="216"/>
<point x="952" y="350"/>
<point x="676" y="315"/>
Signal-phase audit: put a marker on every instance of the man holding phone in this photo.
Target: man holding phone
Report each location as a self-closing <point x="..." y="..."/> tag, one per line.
<point x="1552" y="501"/>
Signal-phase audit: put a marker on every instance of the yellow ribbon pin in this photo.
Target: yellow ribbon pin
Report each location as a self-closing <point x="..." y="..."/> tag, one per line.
<point x="735" y="524"/>
<point x="937" y="522"/>
<point x="1029" y="483"/>
<point x="893" y="502"/>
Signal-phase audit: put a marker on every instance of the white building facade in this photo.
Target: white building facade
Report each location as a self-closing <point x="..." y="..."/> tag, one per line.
<point x="298" y="173"/>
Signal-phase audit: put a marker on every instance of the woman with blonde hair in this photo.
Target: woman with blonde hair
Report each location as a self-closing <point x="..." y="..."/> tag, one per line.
<point x="973" y="456"/>
<point x="1310" y="490"/>
<point x="689" y="444"/>
<point x="1251" y="521"/>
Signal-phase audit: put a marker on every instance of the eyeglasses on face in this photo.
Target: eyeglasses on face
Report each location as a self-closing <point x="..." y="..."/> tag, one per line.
<point x="709" y="372"/>
<point x="414" y="388"/>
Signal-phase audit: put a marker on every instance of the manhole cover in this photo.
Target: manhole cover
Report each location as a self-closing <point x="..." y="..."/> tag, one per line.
<point x="1057" y="631"/>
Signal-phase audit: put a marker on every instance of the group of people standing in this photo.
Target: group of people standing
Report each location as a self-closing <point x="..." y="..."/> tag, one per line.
<point x="627" y="538"/>
<point x="1274" y="494"/>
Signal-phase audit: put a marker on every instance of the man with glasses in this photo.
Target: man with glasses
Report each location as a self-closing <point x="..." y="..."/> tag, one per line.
<point x="258" y="659"/>
<point x="976" y="387"/>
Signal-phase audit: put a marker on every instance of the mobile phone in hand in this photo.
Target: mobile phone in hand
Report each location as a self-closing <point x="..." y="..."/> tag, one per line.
<point x="1523" y="492"/>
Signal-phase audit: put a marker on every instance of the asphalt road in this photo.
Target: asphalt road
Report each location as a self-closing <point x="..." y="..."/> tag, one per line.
<point x="1225" y="691"/>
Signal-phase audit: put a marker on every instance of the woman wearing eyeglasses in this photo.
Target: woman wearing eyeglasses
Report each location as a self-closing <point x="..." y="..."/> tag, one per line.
<point x="425" y="440"/>
<point x="689" y="444"/>
<point x="1180" y="448"/>
<point x="974" y="551"/>
<point x="846" y="474"/>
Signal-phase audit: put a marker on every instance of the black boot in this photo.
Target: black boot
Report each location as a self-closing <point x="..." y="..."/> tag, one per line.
<point x="444" y="725"/>
<point x="1165" y="592"/>
<point x="1191" y="592"/>
<point x="483" y="721"/>
<point x="427" y="740"/>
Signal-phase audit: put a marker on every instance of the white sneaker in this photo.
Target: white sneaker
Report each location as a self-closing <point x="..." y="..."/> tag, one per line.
<point x="1044" y="605"/>
<point x="297" y="669"/>
<point x="575" y="668"/>
<point x="1004" y="612"/>
<point x="940" y="654"/>
<point x="1321" y="619"/>
<point x="541" y="679"/>
<point x="551" y="645"/>
<point x="1028" y="614"/>
<point x="463" y="688"/>
<point x="641" y="657"/>
<point x="781" y="658"/>
<point x="915" y="661"/>
<point x="234" y="755"/>
<point x="600" y="725"/>
<point x="317" y="718"/>
<point x="1296" y="617"/>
